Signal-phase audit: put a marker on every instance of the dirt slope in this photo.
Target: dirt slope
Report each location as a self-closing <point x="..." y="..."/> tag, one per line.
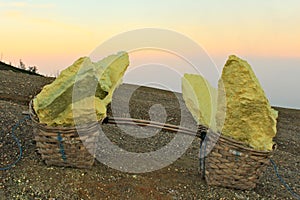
<point x="32" y="179"/>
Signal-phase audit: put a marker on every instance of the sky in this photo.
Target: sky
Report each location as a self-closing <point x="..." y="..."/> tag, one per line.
<point x="53" y="34"/>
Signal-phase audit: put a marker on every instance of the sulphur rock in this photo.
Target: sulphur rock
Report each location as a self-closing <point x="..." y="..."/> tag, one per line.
<point x="249" y="117"/>
<point x="200" y="98"/>
<point x="85" y="86"/>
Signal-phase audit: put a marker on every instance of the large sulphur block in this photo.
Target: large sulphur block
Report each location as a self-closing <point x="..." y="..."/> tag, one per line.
<point x="200" y="98"/>
<point x="249" y="117"/>
<point x="85" y="86"/>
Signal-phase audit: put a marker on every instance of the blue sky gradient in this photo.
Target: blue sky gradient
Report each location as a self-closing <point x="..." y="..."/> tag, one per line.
<point x="53" y="34"/>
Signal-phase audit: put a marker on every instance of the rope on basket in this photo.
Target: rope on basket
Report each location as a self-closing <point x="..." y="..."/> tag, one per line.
<point x="202" y="156"/>
<point x="61" y="146"/>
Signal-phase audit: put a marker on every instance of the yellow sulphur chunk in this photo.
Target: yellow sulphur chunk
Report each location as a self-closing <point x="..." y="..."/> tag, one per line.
<point x="249" y="117"/>
<point x="94" y="84"/>
<point x="200" y="98"/>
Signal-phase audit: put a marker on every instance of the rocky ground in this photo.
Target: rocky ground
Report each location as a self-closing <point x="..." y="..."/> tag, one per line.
<point x="32" y="179"/>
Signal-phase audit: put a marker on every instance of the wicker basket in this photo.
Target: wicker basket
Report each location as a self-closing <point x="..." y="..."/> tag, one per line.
<point x="62" y="146"/>
<point x="230" y="163"/>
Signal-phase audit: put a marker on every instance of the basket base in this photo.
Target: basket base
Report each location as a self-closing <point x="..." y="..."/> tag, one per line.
<point x="85" y="165"/>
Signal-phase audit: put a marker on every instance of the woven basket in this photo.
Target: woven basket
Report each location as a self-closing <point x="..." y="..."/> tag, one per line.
<point x="230" y="163"/>
<point x="62" y="146"/>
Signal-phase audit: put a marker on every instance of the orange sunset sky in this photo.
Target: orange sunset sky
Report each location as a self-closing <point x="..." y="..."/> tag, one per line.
<point x="53" y="34"/>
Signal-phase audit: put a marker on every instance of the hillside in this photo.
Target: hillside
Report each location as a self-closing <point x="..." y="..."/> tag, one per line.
<point x="32" y="179"/>
<point x="4" y="66"/>
<point x="20" y="87"/>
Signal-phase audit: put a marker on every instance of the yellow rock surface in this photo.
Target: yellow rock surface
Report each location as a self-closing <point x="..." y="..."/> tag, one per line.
<point x="239" y="109"/>
<point x="54" y="104"/>
<point x="200" y="98"/>
<point x="249" y="116"/>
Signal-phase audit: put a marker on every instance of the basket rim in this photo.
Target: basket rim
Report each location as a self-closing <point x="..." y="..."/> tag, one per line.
<point x="238" y="144"/>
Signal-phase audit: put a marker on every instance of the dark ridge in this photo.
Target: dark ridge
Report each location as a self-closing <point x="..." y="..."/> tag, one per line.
<point x="4" y="66"/>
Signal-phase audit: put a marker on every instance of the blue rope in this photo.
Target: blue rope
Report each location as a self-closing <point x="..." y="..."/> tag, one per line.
<point x="18" y="143"/>
<point x="61" y="147"/>
<point x="283" y="182"/>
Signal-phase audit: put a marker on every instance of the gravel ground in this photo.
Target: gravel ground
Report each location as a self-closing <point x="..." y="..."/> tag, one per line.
<point x="20" y="87"/>
<point x="32" y="179"/>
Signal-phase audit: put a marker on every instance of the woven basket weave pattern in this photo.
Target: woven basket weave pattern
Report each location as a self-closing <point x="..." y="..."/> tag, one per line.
<point x="62" y="146"/>
<point x="231" y="164"/>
